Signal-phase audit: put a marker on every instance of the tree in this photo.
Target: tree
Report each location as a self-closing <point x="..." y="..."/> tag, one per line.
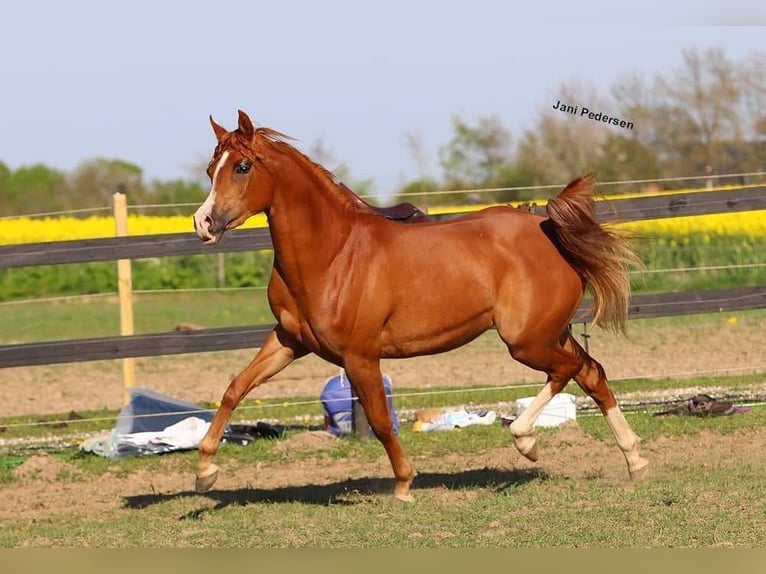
<point x="753" y="78"/>
<point x="96" y="180"/>
<point x="561" y="146"/>
<point x="418" y="190"/>
<point x="636" y="101"/>
<point x="5" y="174"/>
<point x="707" y="115"/>
<point x="624" y="158"/>
<point x="558" y="149"/>
<point x="38" y="188"/>
<point x="702" y="112"/>
<point x="476" y="153"/>
<point x="511" y="179"/>
<point x="177" y="191"/>
<point x="5" y="200"/>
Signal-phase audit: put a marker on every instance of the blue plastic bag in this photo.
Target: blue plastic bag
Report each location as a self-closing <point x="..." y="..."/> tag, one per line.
<point x="337" y="405"/>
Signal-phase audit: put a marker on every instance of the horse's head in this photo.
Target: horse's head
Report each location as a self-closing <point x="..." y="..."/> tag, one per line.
<point x="241" y="184"/>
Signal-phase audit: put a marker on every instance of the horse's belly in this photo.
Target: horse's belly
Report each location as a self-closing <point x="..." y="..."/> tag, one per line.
<point x="427" y="333"/>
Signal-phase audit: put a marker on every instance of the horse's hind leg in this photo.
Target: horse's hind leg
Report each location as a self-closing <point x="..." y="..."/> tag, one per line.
<point x="277" y="352"/>
<point x="560" y="365"/>
<point x="592" y="379"/>
<point x="521" y="428"/>
<point x="366" y="378"/>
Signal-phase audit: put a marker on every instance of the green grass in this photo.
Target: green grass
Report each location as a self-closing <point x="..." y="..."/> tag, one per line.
<point x="703" y="253"/>
<point x="153" y="313"/>
<point x="534" y="515"/>
<point x="702" y="502"/>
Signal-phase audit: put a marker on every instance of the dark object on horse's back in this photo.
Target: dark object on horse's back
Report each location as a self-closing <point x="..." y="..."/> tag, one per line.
<point x="703" y="406"/>
<point x="402" y="212"/>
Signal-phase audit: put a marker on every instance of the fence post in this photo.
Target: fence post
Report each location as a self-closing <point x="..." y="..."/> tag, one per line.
<point x="709" y="180"/>
<point x="585" y="336"/>
<point x="125" y="291"/>
<point x="221" y="270"/>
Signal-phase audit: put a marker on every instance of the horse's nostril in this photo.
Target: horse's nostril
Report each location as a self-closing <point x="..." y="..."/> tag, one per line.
<point x="208" y="221"/>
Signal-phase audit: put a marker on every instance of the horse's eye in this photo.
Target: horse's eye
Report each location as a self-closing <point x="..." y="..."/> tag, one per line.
<point x="242" y="168"/>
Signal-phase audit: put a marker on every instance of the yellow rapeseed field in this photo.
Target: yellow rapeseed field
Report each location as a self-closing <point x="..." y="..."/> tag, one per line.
<point x="750" y="223"/>
<point x="26" y="230"/>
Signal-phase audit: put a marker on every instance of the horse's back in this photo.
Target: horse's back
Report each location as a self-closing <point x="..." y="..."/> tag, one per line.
<point x="491" y="236"/>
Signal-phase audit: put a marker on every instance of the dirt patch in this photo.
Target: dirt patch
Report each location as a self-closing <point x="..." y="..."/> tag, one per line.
<point x="307" y="441"/>
<point x="43" y="468"/>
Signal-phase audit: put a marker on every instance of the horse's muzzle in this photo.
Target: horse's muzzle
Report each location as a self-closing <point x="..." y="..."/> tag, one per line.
<point x="208" y="229"/>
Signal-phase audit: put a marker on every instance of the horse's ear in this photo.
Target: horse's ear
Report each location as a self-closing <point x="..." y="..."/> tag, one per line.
<point x="219" y="130"/>
<point x="245" y="125"/>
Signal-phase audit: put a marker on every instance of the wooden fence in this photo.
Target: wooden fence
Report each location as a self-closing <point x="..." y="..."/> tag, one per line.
<point x="111" y="249"/>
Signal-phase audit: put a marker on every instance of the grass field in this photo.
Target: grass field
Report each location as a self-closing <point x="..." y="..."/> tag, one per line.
<point x="99" y="316"/>
<point x="473" y="490"/>
<point x="153" y="313"/>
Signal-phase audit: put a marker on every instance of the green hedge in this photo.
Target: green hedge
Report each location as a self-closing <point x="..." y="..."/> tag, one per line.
<point x="191" y="272"/>
<point x="253" y="269"/>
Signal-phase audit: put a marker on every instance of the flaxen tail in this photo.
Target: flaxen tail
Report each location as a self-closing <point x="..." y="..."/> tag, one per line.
<point x="600" y="254"/>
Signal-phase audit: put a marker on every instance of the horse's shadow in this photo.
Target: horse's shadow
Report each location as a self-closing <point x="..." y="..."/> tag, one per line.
<point x="342" y="493"/>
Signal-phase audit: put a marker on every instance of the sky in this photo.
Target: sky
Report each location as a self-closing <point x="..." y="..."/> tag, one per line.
<point x="137" y="80"/>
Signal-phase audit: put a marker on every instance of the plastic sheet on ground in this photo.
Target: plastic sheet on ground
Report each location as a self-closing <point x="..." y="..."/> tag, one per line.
<point x="450" y="420"/>
<point x="152" y="423"/>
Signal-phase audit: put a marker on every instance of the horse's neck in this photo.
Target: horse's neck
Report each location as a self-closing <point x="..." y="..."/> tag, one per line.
<point x="310" y="221"/>
<point x="355" y="199"/>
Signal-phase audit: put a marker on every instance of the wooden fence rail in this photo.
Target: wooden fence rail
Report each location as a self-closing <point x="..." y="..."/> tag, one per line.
<point x="250" y="337"/>
<point x="111" y="249"/>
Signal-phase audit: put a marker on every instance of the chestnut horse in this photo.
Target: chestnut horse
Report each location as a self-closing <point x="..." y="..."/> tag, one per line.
<point x="354" y="287"/>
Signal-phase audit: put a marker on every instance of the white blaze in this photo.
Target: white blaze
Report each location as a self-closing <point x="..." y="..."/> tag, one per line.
<point x="207" y="207"/>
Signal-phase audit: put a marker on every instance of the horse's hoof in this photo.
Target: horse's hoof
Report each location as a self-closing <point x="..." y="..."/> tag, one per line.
<point x="527" y="446"/>
<point x="406" y="498"/>
<point x="206" y="480"/>
<point x="640" y="470"/>
<point x="402" y="491"/>
<point x="533" y="453"/>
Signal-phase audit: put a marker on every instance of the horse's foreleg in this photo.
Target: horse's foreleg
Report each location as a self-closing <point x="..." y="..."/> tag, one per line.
<point x="277" y="352"/>
<point x="593" y="381"/>
<point x="366" y="378"/>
